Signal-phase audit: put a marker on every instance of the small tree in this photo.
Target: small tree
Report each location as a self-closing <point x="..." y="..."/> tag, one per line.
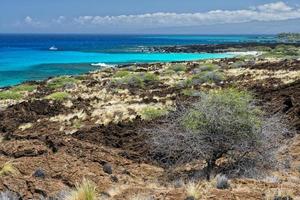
<point x="227" y="123"/>
<point x="224" y="124"/>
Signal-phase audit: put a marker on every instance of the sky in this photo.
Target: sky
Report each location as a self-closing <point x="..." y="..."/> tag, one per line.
<point x="150" y="16"/>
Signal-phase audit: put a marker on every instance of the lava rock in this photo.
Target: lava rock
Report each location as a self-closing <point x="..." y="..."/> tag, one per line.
<point x="107" y="168"/>
<point x="39" y="173"/>
<point x="114" y="179"/>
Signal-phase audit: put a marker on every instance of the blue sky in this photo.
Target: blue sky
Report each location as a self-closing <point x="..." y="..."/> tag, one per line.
<point x="149" y="16"/>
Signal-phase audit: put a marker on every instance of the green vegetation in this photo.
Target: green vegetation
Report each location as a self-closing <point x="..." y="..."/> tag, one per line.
<point x="84" y="191"/>
<point x="178" y="67"/>
<point x="61" y="81"/>
<point x="15" y="93"/>
<point x="190" y="92"/>
<point x="238" y="64"/>
<point x="205" y="77"/>
<point x="225" y="119"/>
<point x="208" y="67"/>
<point x="24" y="87"/>
<point x="283" y="51"/>
<point x="240" y="121"/>
<point x="136" y="79"/>
<point x="7" y="169"/>
<point x="4" y="95"/>
<point x="203" y="74"/>
<point x="290" y="37"/>
<point x="150" y="113"/>
<point x="121" y="74"/>
<point x="58" y="96"/>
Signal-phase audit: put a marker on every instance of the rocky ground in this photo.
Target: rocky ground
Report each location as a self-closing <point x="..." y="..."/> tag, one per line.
<point x="92" y="126"/>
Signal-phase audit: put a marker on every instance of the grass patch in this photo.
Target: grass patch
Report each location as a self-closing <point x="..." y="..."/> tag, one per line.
<point x="150" y="113"/>
<point x="8" y="169"/>
<point x="61" y="81"/>
<point x="121" y="74"/>
<point x="84" y="191"/>
<point x="13" y="95"/>
<point x="58" y="96"/>
<point x="23" y="88"/>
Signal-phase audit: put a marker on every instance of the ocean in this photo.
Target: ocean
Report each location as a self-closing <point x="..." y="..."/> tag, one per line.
<point x="40" y="56"/>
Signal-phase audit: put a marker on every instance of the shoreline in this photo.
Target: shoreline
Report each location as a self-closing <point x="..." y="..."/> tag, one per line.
<point x="235" y="50"/>
<point x="93" y="126"/>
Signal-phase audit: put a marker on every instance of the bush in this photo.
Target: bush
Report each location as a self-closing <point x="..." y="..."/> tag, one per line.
<point x="61" y="81"/>
<point x="136" y="79"/>
<point x="150" y="113"/>
<point x="204" y="77"/>
<point x="121" y="74"/>
<point x="210" y="77"/>
<point x="208" y="67"/>
<point x="178" y="67"/>
<point x="240" y="117"/>
<point x="224" y="124"/>
<point x="4" y="95"/>
<point x="58" y="96"/>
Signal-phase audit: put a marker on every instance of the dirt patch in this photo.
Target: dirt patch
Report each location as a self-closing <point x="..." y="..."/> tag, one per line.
<point x="26" y="112"/>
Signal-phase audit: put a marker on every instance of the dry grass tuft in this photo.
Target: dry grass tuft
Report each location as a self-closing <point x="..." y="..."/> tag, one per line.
<point x="8" y="168"/>
<point x="85" y="191"/>
<point x="193" y="190"/>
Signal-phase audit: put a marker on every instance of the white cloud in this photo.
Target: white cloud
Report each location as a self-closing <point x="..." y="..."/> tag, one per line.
<point x="273" y="7"/>
<point x="268" y="12"/>
<point x="30" y="21"/>
<point x="59" y="20"/>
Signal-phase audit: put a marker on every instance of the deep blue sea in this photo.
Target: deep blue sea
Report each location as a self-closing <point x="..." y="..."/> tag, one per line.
<point x="29" y="57"/>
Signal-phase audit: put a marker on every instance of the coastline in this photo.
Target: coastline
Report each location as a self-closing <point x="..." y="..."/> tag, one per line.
<point x="78" y="126"/>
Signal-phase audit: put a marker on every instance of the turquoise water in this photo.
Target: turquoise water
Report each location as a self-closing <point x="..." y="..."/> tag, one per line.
<point x="27" y="57"/>
<point x="26" y="65"/>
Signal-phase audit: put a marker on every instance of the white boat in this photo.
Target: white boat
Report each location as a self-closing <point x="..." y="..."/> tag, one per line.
<point x="53" y="48"/>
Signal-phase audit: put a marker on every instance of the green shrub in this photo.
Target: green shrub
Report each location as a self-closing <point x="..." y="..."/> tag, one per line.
<point x="58" y="96"/>
<point x="61" y="81"/>
<point x="4" y="95"/>
<point x="225" y="119"/>
<point x="205" y="77"/>
<point x="24" y="87"/>
<point x="241" y="119"/>
<point x="136" y="79"/>
<point x="224" y="125"/>
<point x="149" y="77"/>
<point x="178" y="67"/>
<point x="150" y="113"/>
<point x="121" y="74"/>
<point x="208" y="67"/>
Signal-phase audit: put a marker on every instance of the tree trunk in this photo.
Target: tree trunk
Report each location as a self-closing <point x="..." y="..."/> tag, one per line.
<point x="209" y="168"/>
